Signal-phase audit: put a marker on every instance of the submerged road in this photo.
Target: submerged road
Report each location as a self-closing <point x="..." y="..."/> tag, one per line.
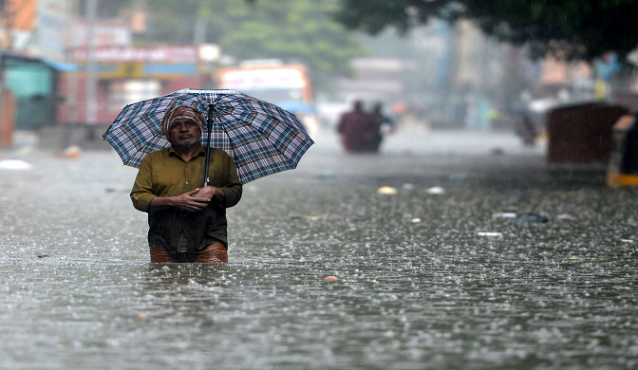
<point x="428" y="278"/>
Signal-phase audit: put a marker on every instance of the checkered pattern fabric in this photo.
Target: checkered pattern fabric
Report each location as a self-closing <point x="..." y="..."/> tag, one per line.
<point x="261" y="138"/>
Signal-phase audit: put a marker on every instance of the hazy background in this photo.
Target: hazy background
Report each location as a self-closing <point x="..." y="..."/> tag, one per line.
<point x="432" y="65"/>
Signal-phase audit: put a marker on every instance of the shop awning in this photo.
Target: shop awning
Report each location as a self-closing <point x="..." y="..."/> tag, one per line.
<point x="61" y="66"/>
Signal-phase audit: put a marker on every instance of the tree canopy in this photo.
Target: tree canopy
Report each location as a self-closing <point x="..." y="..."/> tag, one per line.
<point x="293" y="30"/>
<point x="576" y="29"/>
<point x="299" y="30"/>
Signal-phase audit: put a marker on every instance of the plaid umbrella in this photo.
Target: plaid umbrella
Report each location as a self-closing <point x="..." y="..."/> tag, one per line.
<point x="261" y="138"/>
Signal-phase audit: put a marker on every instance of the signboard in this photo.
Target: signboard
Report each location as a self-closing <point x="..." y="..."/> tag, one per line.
<point x="120" y="71"/>
<point x="158" y="54"/>
<point x="139" y="70"/>
<point x="106" y="33"/>
<point x="51" y="29"/>
<point x="258" y="78"/>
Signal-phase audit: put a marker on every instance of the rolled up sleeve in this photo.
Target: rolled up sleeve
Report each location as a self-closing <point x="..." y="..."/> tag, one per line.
<point x="142" y="192"/>
<point x="232" y="188"/>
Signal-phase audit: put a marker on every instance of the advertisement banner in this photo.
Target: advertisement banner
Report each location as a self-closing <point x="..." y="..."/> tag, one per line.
<point x="51" y="29"/>
<point x="157" y="54"/>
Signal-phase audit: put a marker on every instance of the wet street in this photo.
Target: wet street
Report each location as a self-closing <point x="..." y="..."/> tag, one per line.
<point x="436" y="271"/>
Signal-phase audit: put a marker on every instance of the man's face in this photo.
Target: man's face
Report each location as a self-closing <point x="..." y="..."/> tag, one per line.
<point x="184" y="133"/>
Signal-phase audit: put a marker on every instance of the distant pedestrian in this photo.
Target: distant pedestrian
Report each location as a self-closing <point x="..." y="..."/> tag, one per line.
<point x="380" y="122"/>
<point x="187" y="223"/>
<point x="356" y="130"/>
<point x="526" y="130"/>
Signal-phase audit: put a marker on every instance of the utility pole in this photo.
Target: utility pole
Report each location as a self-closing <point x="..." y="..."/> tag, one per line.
<point x="91" y="70"/>
<point x="199" y="34"/>
<point x="72" y="103"/>
<point x="5" y="23"/>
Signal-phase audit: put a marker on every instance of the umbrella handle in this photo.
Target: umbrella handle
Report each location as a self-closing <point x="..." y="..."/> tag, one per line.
<point x="209" y="123"/>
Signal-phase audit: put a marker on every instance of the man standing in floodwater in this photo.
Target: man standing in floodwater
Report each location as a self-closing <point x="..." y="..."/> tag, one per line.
<point x="187" y="221"/>
<point x="356" y="130"/>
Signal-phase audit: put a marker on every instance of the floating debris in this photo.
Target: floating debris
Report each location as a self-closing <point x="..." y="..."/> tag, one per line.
<point x="387" y="190"/>
<point x="15" y="164"/>
<point x="435" y="190"/>
<point x="490" y="234"/>
<point x="407" y="187"/>
<point x="313" y="218"/>
<point x="44" y="255"/>
<point x="72" y="152"/>
<point x="531" y="218"/>
<point x="415" y="220"/>
<point x="331" y="278"/>
<point x="504" y="215"/>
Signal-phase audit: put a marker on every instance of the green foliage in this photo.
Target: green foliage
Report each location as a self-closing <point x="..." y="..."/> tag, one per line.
<point x="373" y="16"/>
<point x="292" y="30"/>
<point x="572" y="28"/>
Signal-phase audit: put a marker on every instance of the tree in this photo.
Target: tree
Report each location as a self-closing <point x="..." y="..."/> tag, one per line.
<point x="575" y="29"/>
<point x="293" y="30"/>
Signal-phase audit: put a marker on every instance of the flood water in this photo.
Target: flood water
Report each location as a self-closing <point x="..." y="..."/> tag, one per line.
<point x="426" y="281"/>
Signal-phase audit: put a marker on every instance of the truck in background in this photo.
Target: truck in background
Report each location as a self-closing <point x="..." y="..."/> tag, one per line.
<point x="286" y="85"/>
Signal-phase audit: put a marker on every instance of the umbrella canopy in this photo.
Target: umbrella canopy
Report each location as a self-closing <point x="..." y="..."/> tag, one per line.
<point x="261" y="138"/>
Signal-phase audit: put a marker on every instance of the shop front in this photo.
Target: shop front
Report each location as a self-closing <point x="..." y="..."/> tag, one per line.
<point x="129" y="74"/>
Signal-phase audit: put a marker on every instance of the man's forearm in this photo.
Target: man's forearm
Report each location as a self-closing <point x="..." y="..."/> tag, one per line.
<point x="158" y="203"/>
<point x="190" y="201"/>
<point x="218" y="196"/>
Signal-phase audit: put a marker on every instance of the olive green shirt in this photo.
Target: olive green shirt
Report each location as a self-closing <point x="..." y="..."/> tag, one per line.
<point x="163" y="174"/>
